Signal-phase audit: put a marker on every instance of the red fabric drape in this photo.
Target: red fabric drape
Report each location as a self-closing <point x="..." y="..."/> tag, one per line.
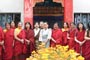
<point x="28" y="11"/>
<point x="68" y="11"/>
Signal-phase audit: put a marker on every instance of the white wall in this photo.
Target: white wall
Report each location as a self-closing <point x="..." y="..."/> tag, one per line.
<point x="81" y="6"/>
<point x="12" y="6"/>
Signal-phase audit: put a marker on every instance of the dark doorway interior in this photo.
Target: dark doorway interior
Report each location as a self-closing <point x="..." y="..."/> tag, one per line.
<point x="50" y="19"/>
<point x="49" y="11"/>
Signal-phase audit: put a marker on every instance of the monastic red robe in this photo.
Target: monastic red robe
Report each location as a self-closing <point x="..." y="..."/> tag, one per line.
<point x="8" y="43"/>
<point x="30" y="36"/>
<point x="71" y="40"/>
<point x="87" y="50"/>
<point x="64" y="36"/>
<point x="80" y="37"/>
<point x="1" y="38"/>
<point x="57" y="36"/>
<point x="20" y="47"/>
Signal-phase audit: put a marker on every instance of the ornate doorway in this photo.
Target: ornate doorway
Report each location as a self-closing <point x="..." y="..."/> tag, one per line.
<point x="49" y="11"/>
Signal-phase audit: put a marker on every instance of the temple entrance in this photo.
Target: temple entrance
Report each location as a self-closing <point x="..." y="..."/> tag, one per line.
<point x="49" y="11"/>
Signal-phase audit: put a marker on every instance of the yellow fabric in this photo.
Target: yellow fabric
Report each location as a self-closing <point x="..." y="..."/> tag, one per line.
<point x="64" y="29"/>
<point x="5" y="30"/>
<point x="17" y="31"/>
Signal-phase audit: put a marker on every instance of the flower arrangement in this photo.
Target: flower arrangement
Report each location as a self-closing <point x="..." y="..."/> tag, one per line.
<point x="57" y="53"/>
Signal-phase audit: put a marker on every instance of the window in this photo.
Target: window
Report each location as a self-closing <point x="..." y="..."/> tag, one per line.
<point x="82" y="17"/>
<point x="8" y="17"/>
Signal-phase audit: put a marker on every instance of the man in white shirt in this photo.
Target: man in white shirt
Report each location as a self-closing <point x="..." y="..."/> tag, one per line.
<point x="45" y="35"/>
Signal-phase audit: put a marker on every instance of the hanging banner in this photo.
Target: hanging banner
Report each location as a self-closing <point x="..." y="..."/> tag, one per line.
<point x="28" y="11"/>
<point x="68" y="11"/>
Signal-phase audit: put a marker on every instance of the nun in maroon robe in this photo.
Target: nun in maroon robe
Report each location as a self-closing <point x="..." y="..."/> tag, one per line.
<point x="79" y="39"/>
<point x="29" y="33"/>
<point x="71" y="35"/>
<point x="65" y="33"/>
<point x="56" y="36"/>
<point x="19" y="48"/>
<point x="87" y="44"/>
<point x="8" y="42"/>
<point x="12" y="25"/>
<point x="1" y="42"/>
